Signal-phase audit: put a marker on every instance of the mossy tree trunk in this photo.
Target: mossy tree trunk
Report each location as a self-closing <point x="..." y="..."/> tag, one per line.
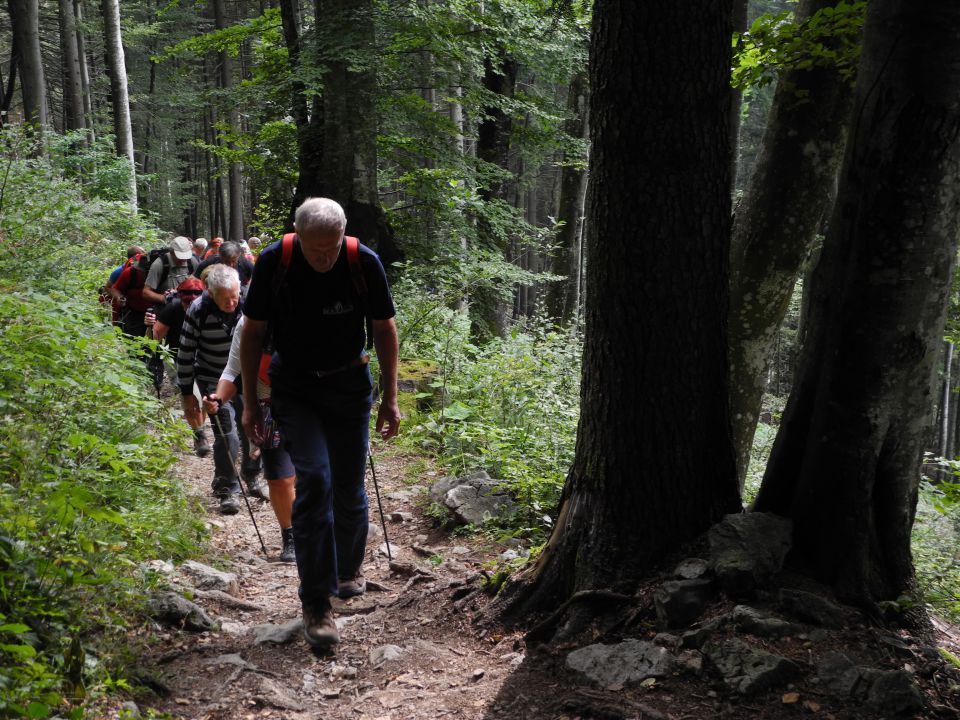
<point x="25" y="18"/>
<point x="846" y="463"/>
<point x="790" y="192"/>
<point x="654" y="464"/>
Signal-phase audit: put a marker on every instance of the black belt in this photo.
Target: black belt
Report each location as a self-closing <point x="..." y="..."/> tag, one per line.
<point x="355" y="363"/>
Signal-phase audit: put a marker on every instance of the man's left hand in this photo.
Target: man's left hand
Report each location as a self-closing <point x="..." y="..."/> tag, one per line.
<point x="388" y="419"/>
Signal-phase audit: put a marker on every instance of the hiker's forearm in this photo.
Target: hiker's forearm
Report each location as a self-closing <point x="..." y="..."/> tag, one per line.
<point x="251" y="348"/>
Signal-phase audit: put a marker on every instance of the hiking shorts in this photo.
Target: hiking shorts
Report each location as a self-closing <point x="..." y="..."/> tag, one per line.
<point x="277" y="464"/>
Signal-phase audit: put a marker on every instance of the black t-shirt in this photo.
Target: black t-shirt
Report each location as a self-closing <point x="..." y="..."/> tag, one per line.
<point x="319" y="321"/>
<point x="172" y="315"/>
<point x="244" y="267"/>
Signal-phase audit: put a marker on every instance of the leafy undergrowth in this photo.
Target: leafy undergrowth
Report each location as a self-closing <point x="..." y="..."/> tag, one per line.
<point x="85" y="452"/>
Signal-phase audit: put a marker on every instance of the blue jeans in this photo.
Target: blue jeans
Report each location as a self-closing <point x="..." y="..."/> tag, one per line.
<point x="325" y="424"/>
<point x="229" y="442"/>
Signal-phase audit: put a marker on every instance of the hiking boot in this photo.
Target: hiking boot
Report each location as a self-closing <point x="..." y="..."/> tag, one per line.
<point x="229" y="504"/>
<point x="255" y="489"/>
<point x="201" y="446"/>
<point x="319" y="628"/>
<point x="351" y="587"/>
<point x="287" y="554"/>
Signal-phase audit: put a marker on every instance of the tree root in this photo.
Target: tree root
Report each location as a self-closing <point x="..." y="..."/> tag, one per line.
<point x="542" y="630"/>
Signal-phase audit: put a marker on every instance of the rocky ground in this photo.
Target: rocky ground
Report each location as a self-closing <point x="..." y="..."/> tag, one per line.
<point x="420" y="644"/>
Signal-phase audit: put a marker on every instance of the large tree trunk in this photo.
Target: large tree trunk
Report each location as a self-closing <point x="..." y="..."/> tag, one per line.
<point x="340" y="151"/>
<point x="24" y="15"/>
<point x="118" y="90"/>
<point x="236" y="229"/>
<point x="792" y="188"/>
<point x="845" y="465"/>
<point x="74" y="116"/>
<point x="649" y="474"/>
<point x="563" y="297"/>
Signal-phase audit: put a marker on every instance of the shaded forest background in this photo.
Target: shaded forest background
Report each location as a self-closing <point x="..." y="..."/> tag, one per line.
<point x="456" y="134"/>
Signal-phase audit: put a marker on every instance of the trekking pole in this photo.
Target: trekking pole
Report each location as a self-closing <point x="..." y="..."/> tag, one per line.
<point x="233" y="459"/>
<point x="376" y="488"/>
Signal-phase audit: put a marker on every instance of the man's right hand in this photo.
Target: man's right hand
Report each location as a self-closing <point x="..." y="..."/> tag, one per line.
<point x="211" y="403"/>
<point x="253" y="422"/>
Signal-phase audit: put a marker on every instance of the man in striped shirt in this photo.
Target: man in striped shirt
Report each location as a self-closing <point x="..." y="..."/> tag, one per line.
<point x="204" y="350"/>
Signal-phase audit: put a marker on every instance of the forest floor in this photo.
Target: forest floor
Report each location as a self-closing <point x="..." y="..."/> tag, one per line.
<point x="424" y="645"/>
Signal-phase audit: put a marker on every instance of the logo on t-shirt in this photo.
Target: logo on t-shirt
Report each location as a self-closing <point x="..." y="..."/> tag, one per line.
<point x="338" y="308"/>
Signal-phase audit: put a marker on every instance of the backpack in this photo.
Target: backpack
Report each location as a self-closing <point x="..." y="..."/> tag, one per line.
<point x="356" y="275"/>
<point x="145" y="260"/>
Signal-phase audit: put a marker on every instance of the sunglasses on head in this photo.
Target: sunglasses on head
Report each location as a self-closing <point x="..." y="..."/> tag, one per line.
<point x="190" y="293"/>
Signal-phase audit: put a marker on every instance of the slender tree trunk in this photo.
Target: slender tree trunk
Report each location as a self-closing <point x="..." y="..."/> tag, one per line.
<point x="236" y="230"/>
<point x="74" y="117"/>
<point x="649" y="475"/>
<point x="845" y="464"/>
<point x="11" y="85"/>
<point x="563" y="296"/>
<point x="87" y="97"/>
<point x="943" y="443"/>
<point x="25" y="18"/>
<point x="740" y="13"/>
<point x="792" y="188"/>
<point x="118" y="90"/>
<point x="489" y="309"/>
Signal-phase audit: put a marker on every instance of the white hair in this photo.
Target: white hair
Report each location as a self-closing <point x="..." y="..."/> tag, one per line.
<point x="200" y="243"/>
<point x="320" y="214"/>
<point x="221" y="277"/>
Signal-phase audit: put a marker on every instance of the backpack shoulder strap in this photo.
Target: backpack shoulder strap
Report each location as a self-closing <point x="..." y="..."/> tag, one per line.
<point x="359" y="283"/>
<point x="356" y="270"/>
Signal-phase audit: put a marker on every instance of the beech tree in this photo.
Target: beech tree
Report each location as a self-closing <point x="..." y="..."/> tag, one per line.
<point x="788" y="196"/>
<point x="117" y="69"/>
<point x="648" y="474"/>
<point x="24" y="15"/>
<point x="845" y="464"/>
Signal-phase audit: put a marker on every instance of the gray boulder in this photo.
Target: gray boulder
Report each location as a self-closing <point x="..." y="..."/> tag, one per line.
<point x="698" y="637"/>
<point x="277" y="634"/>
<point x="691" y="569"/>
<point x="679" y="602"/>
<point x="812" y="608"/>
<point x="751" y="620"/>
<point x="616" y="665"/>
<point x="204" y="577"/>
<point x="747" y="669"/>
<point x="892" y="692"/>
<point x="385" y="654"/>
<point x="747" y="551"/>
<point x="172" y="609"/>
<point x="472" y="499"/>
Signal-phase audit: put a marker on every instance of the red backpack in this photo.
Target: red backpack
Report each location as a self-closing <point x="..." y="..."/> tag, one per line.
<point x="356" y="274"/>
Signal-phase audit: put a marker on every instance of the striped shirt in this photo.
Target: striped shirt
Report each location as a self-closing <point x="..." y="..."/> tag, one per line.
<point x="204" y="343"/>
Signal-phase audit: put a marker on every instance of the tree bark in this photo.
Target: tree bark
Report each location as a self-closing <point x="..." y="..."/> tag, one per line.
<point x="944" y="441"/>
<point x="845" y="464"/>
<point x="340" y="150"/>
<point x="25" y="18"/>
<point x="236" y="229"/>
<point x="489" y="309"/>
<point x="791" y="190"/>
<point x="648" y="474"/>
<point x="87" y="97"/>
<point x="563" y="297"/>
<point x="118" y="91"/>
<point x="74" y="116"/>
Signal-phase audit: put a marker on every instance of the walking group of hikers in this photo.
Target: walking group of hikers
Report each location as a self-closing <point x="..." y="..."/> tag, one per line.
<point x="280" y="343"/>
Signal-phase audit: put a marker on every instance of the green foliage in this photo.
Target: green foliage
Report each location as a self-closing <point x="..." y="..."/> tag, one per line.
<point x="775" y="44"/>
<point x="509" y="406"/>
<point x="936" y="545"/>
<point x="85" y="492"/>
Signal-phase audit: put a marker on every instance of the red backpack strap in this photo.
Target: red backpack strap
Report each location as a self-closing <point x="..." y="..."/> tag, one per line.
<point x="353" y="260"/>
<point x="359" y="283"/>
<point x="286" y="249"/>
<point x="262" y="371"/>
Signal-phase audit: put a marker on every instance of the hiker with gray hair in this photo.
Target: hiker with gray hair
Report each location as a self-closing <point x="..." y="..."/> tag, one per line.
<point x="204" y="349"/>
<point x="230" y="254"/>
<point x="321" y="294"/>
